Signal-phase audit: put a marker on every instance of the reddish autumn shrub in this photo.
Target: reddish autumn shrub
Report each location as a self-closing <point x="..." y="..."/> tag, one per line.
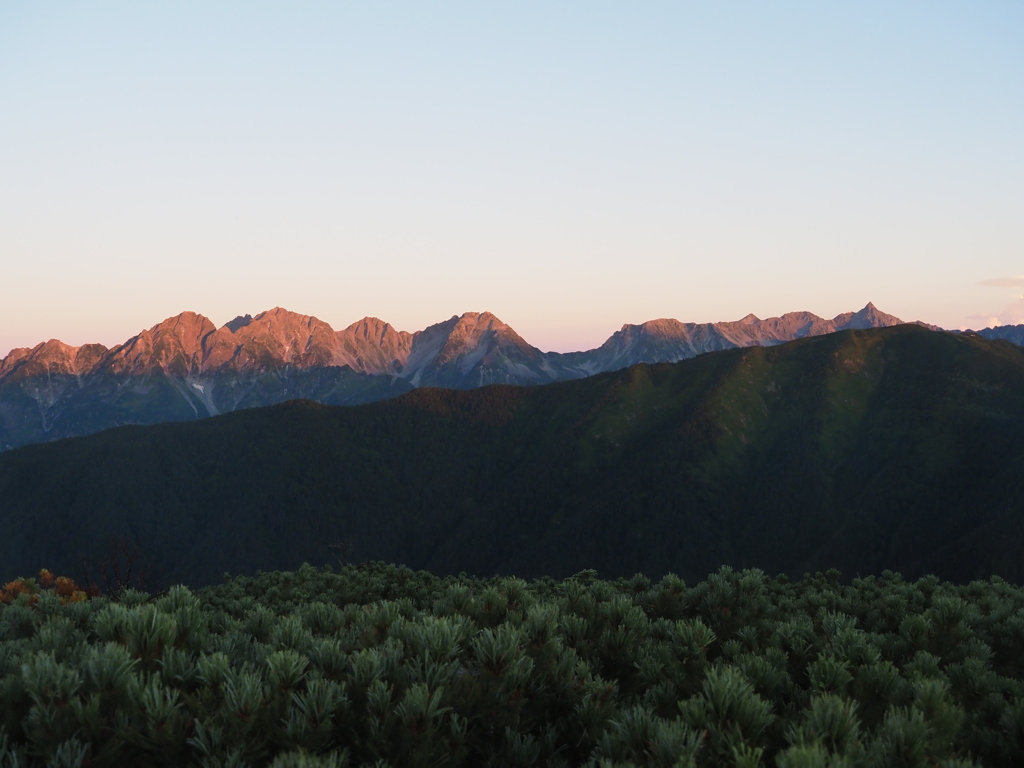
<point x="66" y="589"/>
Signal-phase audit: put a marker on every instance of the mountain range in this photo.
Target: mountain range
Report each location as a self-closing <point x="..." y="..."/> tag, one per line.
<point x="898" y="448"/>
<point x="1012" y="333"/>
<point x="186" y="368"/>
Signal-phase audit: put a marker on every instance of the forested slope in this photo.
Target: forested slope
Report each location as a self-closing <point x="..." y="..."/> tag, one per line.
<point x="897" y="448"/>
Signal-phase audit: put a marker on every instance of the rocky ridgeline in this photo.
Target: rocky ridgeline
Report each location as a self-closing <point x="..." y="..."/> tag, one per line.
<point x="186" y="367"/>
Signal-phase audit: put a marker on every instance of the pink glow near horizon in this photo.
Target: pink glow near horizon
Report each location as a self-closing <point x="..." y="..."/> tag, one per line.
<point x="569" y="168"/>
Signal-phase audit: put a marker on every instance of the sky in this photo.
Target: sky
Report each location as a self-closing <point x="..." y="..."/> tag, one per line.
<point x="570" y="167"/>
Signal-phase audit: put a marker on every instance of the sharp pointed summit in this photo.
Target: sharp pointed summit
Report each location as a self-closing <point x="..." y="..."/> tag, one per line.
<point x="869" y="317"/>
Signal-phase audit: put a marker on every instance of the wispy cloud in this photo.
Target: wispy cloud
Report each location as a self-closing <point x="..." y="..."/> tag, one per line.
<point x="1004" y="282"/>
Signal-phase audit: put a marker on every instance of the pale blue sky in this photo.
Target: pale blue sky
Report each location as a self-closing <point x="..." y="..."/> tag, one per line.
<point x="569" y="168"/>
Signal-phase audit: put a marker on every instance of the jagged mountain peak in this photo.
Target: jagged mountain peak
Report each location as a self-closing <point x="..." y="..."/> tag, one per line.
<point x="373" y="346"/>
<point x="52" y="357"/>
<point x="53" y="350"/>
<point x="629" y="335"/>
<point x="369" y="322"/>
<point x="13" y="359"/>
<point x="187" y="329"/>
<point x="468" y="323"/>
<point x="272" y="339"/>
<point x="475" y="324"/>
<point x="475" y="328"/>
<point x="868" y="317"/>
<point x="373" y="328"/>
<point x="474" y="319"/>
<point x="473" y="349"/>
<point x="184" y="325"/>
<point x="282" y="316"/>
<point x="663" y="325"/>
<point x="275" y="321"/>
<point x="174" y="346"/>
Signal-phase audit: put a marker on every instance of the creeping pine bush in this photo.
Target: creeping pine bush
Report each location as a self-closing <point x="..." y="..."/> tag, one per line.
<point x="377" y="665"/>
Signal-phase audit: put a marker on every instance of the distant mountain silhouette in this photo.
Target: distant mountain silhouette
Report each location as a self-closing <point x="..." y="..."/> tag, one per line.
<point x="668" y="341"/>
<point x="186" y="368"/>
<point x="1013" y="333"/>
<point x="898" y="448"/>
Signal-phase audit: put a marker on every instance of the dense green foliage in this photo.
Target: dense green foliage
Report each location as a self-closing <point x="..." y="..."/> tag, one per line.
<point x="380" y="665"/>
<point x="897" y="448"/>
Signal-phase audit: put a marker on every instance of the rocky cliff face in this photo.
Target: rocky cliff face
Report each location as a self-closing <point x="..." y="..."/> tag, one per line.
<point x="186" y="367"/>
<point x="373" y="346"/>
<point x="474" y="350"/>
<point x="183" y="368"/>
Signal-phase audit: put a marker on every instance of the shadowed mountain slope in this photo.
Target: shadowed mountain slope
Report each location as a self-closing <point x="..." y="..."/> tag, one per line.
<point x="896" y="448"/>
<point x="1012" y="333"/>
<point x="185" y="368"/>
<point x="668" y="341"/>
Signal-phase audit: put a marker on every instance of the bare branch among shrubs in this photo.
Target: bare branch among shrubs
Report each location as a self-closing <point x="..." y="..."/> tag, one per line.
<point x="122" y="567"/>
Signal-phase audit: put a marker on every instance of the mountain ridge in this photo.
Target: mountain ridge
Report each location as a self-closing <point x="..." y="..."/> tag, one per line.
<point x="186" y="335"/>
<point x="186" y="367"/>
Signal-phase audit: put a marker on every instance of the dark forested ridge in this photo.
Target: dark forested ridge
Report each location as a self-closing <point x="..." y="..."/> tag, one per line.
<point x="896" y="448"/>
